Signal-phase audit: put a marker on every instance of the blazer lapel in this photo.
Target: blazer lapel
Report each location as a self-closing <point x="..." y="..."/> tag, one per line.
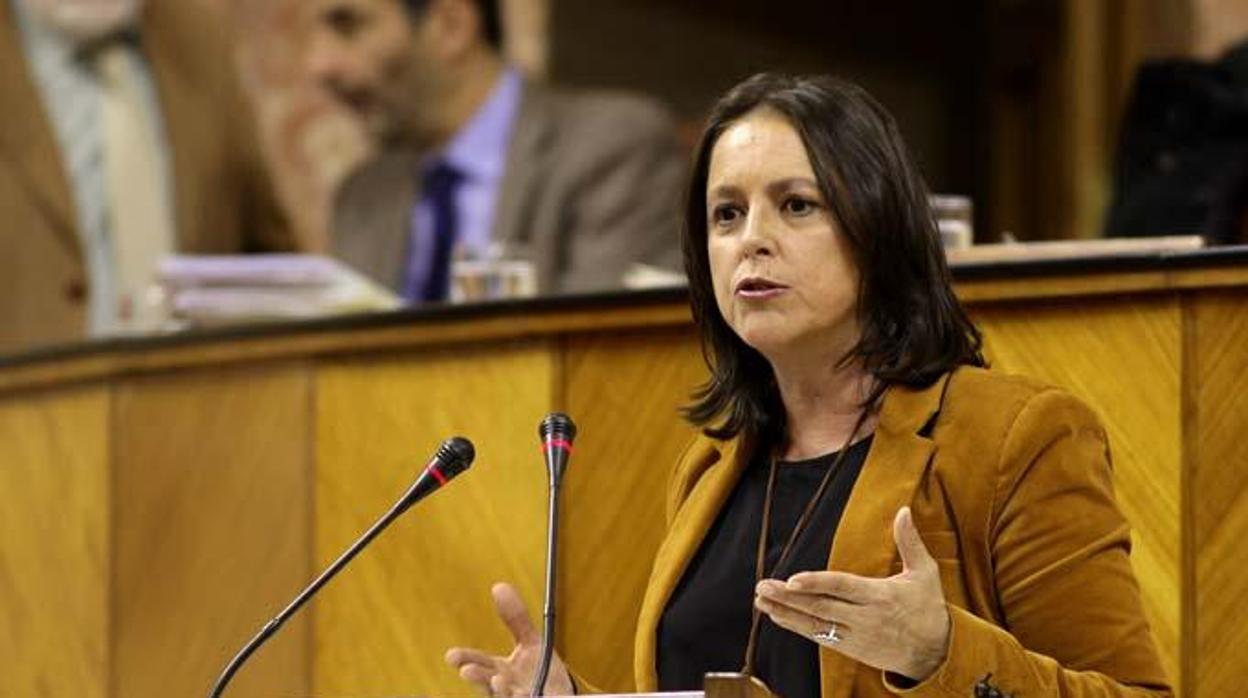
<point x="373" y="216"/>
<point x="685" y="534"/>
<point x="524" y="164"/>
<point x="26" y="138"/>
<point x="864" y="544"/>
<point x="386" y="234"/>
<point x="178" y="101"/>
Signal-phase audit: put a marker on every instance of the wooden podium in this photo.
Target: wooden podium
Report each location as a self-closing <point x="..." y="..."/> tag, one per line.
<point x="735" y="686"/>
<point x="164" y="497"/>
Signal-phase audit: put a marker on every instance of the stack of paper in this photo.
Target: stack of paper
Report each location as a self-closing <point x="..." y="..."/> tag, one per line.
<point x="220" y="289"/>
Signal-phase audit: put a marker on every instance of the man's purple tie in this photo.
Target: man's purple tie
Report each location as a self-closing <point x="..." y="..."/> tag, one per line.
<point x="441" y="182"/>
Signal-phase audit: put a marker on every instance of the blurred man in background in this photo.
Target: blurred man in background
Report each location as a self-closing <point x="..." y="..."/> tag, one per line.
<point x="125" y="137"/>
<point x="473" y="157"/>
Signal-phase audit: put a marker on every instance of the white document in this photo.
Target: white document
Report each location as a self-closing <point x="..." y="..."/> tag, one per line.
<point x="217" y="289"/>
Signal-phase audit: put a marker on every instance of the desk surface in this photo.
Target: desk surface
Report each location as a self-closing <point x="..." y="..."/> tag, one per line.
<point x="976" y="283"/>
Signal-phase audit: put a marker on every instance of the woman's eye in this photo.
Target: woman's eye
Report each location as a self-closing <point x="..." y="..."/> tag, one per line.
<point x="724" y="214"/>
<point x="799" y="206"/>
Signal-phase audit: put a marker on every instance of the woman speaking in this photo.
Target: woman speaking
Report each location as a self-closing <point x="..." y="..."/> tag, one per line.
<point x="869" y="511"/>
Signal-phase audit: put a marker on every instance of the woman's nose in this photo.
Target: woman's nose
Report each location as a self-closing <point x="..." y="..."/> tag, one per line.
<point x="757" y="237"/>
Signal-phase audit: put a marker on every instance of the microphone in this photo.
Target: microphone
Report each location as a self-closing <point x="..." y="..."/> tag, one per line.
<point x="557" y="432"/>
<point x="452" y="458"/>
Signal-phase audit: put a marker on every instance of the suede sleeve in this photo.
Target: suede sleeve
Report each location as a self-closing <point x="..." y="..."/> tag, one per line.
<point x="1073" y="624"/>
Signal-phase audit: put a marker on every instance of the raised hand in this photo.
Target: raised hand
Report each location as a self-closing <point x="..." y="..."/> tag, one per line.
<point x="511" y="676"/>
<point x="899" y="624"/>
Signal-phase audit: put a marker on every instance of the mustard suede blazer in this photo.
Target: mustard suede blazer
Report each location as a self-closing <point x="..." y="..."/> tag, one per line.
<point x="1009" y="482"/>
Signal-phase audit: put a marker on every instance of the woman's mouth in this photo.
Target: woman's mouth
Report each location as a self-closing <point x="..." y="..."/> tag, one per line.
<point x="758" y="288"/>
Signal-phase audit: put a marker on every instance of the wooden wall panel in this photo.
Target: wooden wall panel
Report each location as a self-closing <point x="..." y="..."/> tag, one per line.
<point x="1219" y="497"/>
<point x="624" y="392"/>
<point x="54" y="523"/>
<point x="1122" y="357"/>
<point x="382" y="628"/>
<point x="230" y="486"/>
<point x="212" y="528"/>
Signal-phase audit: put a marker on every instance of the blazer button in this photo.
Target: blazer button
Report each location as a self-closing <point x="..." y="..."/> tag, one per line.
<point x="76" y="290"/>
<point x="985" y="689"/>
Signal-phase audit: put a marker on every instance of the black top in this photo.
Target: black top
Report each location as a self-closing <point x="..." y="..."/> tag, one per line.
<point x="706" y="624"/>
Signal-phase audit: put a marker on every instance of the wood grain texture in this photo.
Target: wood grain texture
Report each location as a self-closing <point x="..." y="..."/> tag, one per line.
<point x="323" y="340"/>
<point x="211" y="529"/>
<point x="423" y="586"/>
<point x="299" y="340"/>
<point x="171" y="561"/>
<point x="1219" y="494"/>
<point x="1123" y="359"/>
<point x="624" y="390"/>
<point x="54" y="533"/>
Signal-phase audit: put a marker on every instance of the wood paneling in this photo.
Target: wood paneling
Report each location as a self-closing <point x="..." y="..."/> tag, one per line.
<point x="156" y="518"/>
<point x="624" y="391"/>
<point x="1122" y="358"/>
<point x="54" y="532"/>
<point x="301" y="341"/>
<point x="423" y="586"/>
<point x="1219" y="493"/>
<point x="545" y="319"/>
<point x="211" y="529"/>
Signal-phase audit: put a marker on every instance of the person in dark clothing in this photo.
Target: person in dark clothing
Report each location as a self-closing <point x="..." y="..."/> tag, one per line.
<point x="1182" y="164"/>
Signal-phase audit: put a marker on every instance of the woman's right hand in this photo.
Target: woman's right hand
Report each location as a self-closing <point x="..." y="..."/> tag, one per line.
<point x="511" y="676"/>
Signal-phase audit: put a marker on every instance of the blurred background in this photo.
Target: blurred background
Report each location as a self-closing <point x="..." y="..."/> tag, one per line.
<point x="167" y="496"/>
<point x="1016" y="103"/>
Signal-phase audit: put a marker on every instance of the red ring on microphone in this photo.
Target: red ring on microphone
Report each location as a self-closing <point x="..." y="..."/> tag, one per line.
<point x="437" y="475"/>
<point x="558" y="443"/>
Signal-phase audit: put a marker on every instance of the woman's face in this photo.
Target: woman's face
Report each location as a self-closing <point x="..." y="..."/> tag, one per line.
<point x="783" y="274"/>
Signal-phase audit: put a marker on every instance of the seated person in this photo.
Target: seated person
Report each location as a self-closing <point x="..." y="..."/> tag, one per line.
<point x="869" y="511"/>
<point x="1182" y="162"/>
<point x="473" y="157"/>
<point x="126" y="137"/>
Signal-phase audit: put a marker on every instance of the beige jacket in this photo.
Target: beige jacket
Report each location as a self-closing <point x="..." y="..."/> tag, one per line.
<point x="224" y="201"/>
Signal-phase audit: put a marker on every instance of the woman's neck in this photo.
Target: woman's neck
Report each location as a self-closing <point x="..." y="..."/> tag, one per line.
<point x="822" y="405"/>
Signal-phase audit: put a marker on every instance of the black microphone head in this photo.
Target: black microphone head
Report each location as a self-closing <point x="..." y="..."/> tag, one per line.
<point x="557" y="432"/>
<point x="454" y="456"/>
<point x="557" y="425"/>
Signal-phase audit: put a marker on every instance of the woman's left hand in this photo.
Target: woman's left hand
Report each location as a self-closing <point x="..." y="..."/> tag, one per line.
<point x="899" y="624"/>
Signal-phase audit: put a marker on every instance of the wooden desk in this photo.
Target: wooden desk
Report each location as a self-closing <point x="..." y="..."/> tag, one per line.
<point x="162" y="498"/>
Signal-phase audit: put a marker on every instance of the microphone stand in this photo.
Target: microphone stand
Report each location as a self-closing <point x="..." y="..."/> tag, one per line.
<point x="272" y="626"/>
<point x="557" y="432"/>
<point x="452" y="458"/>
<point x="548" y="609"/>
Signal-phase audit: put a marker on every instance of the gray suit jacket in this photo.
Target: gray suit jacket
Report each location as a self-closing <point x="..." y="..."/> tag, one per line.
<point x="593" y="184"/>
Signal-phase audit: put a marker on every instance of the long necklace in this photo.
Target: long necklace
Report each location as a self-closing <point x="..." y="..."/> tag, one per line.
<point x="760" y="560"/>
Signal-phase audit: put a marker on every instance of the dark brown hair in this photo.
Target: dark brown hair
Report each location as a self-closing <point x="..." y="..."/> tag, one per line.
<point x="491" y="18"/>
<point x="913" y="328"/>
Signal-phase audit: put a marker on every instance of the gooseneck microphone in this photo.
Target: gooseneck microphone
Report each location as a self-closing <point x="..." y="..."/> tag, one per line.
<point x="557" y="432"/>
<point x="452" y="458"/>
